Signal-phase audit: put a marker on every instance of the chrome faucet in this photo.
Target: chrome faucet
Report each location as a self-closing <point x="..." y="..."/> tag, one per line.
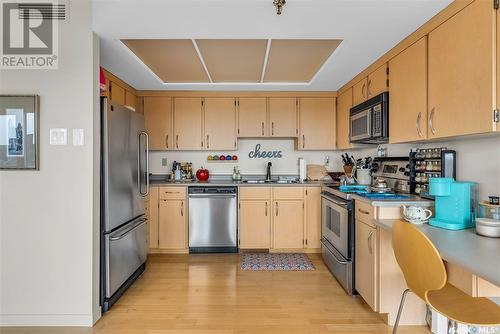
<point x="268" y="174"/>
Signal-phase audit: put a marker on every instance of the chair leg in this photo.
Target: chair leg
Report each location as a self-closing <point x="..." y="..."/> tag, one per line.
<point x="403" y="299"/>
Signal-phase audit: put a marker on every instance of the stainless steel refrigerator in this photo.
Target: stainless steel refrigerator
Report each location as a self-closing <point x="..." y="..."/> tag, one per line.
<point x="124" y="187"/>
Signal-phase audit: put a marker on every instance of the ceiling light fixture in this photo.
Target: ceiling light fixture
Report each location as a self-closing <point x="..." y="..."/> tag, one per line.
<point x="279" y="4"/>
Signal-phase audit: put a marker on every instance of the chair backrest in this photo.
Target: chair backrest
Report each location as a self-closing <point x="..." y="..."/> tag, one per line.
<point x="418" y="259"/>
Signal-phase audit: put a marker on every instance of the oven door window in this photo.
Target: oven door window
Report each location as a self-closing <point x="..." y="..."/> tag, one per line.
<point x="361" y="125"/>
<point x="335" y="224"/>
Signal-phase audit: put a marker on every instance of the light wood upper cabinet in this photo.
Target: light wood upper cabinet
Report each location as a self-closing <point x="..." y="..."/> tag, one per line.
<point x="408" y="94"/>
<point x="188" y="123"/>
<point x="173" y="224"/>
<point x="460" y="73"/>
<point x="116" y="93"/>
<point x="252" y="117"/>
<point x="359" y="92"/>
<point x="220" y="123"/>
<point x="344" y="105"/>
<point x="312" y="199"/>
<point x="255" y="224"/>
<point x="288" y="224"/>
<point x="283" y="116"/>
<point x="377" y="82"/>
<point x="366" y="263"/>
<point x="158" y="122"/>
<point x="317" y="123"/>
<point x="130" y="100"/>
<point x="374" y="84"/>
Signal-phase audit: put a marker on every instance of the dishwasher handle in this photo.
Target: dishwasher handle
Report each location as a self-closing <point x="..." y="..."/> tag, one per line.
<point x="212" y="195"/>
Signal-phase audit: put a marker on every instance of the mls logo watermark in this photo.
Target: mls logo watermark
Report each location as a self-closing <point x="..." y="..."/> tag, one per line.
<point x="29" y="35"/>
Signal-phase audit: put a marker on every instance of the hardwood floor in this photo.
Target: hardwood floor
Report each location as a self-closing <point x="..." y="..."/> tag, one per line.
<point x="210" y="294"/>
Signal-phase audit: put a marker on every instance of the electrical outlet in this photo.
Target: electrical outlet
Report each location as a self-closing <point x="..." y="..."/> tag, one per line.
<point x="164" y="162"/>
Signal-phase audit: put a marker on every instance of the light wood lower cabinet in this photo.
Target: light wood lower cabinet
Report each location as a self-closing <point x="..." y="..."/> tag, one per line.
<point x="408" y="94"/>
<point x="152" y="215"/>
<point x="255" y="224"/>
<point x="172" y="224"/>
<point x="316" y="123"/>
<point x="312" y="201"/>
<point x="288" y="224"/>
<point x="366" y="278"/>
<point x="269" y="218"/>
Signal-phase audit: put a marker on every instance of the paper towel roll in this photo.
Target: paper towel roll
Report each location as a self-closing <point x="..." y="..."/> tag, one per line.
<point x="302" y="169"/>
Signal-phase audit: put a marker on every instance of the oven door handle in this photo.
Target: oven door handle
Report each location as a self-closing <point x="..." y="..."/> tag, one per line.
<point x="342" y="204"/>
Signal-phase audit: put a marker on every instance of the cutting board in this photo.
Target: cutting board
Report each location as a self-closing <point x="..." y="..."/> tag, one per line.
<point x="316" y="172"/>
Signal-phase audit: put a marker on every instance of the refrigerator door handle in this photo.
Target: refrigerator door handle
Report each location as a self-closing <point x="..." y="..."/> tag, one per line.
<point x="143" y="173"/>
<point x="121" y="236"/>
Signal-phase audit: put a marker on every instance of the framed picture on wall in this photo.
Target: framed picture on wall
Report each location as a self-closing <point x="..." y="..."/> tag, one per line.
<point x="19" y="132"/>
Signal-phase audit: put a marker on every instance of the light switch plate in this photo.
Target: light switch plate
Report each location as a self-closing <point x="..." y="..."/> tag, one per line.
<point x="78" y="139"/>
<point x="58" y="136"/>
<point x="164" y="162"/>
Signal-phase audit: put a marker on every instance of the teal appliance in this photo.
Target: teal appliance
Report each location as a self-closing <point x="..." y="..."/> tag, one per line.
<point x="456" y="203"/>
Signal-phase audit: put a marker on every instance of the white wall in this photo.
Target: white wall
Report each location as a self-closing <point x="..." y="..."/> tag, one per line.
<point x="286" y="165"/>
<point x="478" y="159"/>
<point x="47" y="251"/>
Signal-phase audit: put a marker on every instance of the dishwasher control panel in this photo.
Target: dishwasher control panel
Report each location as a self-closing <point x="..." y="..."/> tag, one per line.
<point x="212" y="190"/>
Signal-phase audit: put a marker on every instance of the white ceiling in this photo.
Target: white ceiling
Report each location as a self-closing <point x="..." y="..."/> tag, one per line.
<point x="368" y="29"/>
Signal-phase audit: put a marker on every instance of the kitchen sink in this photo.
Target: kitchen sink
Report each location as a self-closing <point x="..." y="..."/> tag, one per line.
<point x="270" y="182"/>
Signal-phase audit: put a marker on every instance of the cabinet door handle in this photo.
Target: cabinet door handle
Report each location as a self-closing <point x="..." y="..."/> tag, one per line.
<point x="272" y="128"/>
<point x="419" y="131"/>
<point x="266" y="209"/>
<point x="363" y="212"/>
<point x="431" y="121"/>
<point x="368" y="93"/>
<point x="208" y="142"/>
<point x="177" y="141"/>
<point x="166" y="141"/>
<point x="262" y="128"/>
<point x="182" y="208"/>
<point x="370" y="238"/>
<point x="303" y="141"/>
<point x="363" y="90"/>
<point x="277" y="211"/>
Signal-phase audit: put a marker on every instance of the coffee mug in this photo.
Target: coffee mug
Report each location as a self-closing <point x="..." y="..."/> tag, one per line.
<point x="416" y="214"/>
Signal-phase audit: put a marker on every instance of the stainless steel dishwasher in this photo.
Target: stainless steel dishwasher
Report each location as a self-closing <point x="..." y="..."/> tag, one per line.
<point x="213" y="219"/>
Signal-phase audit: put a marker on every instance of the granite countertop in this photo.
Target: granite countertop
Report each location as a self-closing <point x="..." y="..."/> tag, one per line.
<point x="475" y="253"/>
<point x="387" y="202"/>
<point x="223" y="180"/>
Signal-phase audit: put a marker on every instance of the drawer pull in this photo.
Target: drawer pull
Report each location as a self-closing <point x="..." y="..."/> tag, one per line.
<point x="363" y="212"/>
<point x="172" y="192"/>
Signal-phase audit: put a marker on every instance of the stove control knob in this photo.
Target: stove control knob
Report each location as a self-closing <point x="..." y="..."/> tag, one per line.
<point x="402" y="170"/>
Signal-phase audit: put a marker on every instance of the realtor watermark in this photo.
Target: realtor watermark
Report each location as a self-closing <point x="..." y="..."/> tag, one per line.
<point x="29" y="35"/>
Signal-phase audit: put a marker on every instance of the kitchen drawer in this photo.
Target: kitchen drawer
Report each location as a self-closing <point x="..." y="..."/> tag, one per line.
<point x="364" y="212"/>
<point x="284" y="193"/>
<point x="258" y="193"/>
<point x="172" y="192"/>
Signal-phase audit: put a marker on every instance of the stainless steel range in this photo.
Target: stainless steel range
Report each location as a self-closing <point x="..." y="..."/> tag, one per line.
<point x="337" y="235"/>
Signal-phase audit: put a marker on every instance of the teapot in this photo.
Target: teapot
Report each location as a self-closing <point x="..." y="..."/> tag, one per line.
<point x="416" y="214"/>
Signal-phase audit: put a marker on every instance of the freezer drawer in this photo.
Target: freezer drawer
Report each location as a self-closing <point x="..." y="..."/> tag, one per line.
<point x="126" y="251"/>
<point x="341" y="268"/>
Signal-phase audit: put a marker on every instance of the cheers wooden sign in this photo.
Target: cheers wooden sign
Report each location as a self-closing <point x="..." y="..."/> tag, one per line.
<point x="258" y="154"/>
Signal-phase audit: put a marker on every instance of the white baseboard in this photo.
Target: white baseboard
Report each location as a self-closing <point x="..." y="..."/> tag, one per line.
<point x="46" y="320"/>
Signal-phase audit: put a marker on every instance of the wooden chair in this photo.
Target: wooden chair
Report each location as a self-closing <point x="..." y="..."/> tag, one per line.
<point x="425" y="275"/>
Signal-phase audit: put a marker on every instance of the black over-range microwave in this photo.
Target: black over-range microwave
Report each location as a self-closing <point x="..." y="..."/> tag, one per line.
<point x="369" y="121"/>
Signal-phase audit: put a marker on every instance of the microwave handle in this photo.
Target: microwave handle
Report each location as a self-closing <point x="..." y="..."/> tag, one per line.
<point x="370" y="124"/>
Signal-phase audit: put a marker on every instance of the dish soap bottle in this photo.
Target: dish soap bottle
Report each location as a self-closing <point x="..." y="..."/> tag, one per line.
<point x="236" y="174"/>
